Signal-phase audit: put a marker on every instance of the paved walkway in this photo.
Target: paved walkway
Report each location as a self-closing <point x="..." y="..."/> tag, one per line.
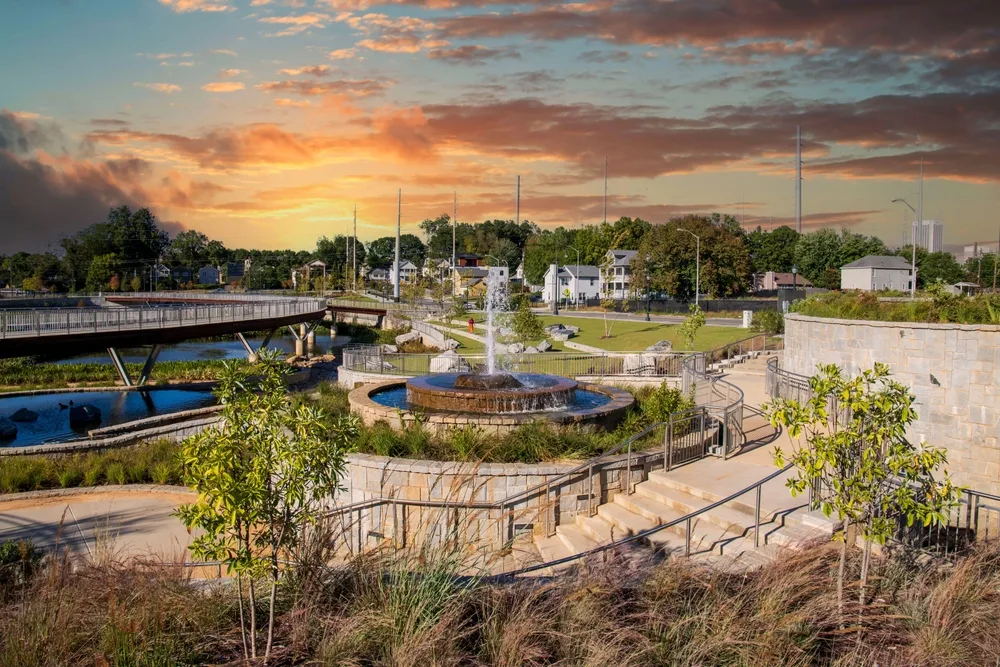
<point x="99" y="523"/>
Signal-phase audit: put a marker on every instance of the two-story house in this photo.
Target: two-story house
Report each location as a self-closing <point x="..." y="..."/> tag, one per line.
<point x="877" y="272"/>
<point x="576" y="283"/>
<point x="616" y="274"/>
<point x="407" y="272"/>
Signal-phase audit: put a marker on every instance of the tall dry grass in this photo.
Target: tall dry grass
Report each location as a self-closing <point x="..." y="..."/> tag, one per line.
<point x="402" y="610"/>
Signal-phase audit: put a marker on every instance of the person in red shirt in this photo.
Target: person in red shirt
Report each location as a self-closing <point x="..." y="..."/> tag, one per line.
<point x="472" y="325"/>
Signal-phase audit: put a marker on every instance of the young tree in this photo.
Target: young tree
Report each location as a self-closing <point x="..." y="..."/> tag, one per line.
<point x="262" y="478"/>
<point x="861" y="466"/>
<point x="136" y="283"/>
<point x="458" y="311"/>
<point x="114" y="283"/>
<point x="689" y="327"/>
<point x="527" y="326"/>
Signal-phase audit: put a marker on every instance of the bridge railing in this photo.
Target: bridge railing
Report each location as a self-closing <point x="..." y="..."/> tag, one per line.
<point x="21" y="323"/>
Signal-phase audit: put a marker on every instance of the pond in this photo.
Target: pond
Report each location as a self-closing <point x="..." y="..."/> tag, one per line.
<point x="117" y="407"/>
<point x="198" y="350"/>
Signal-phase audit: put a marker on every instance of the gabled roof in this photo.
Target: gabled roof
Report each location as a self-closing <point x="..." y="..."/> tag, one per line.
<point x="879" y="262"/>
<point x="406" y="265"/>
<point x="622" y="257"/>
<point x="584" y="270"/>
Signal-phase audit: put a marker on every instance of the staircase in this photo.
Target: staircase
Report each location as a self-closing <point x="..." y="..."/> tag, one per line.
<point x="723" y="535"/>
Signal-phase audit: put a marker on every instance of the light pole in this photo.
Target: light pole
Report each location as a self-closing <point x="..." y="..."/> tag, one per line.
<point x="646" y="264"/>
<point x="795" y="279"/>
<point x="913" y="243"/>
<point x="697" y="264"/>
<point x="576" y="295"/>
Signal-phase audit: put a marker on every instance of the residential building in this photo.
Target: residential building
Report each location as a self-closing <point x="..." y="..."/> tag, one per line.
<point x="464" y="277"/>
<point x="182" y="274"/>
<point x="930" y="235"/>
<point x="161" y="272"/>
<point x="876" y="273"/>
<point x="576" y="283"/>
<point x="306" y="271"/>
<point x="436" y="269"/>
<point x="235" y="271"/>
<point x="208" y="275"/>
<point x="407" y="274"/>
<point x="468" y="259"/>
<point x="378" y="275"/>
<point x="778" y="280"/>
<point x="616" y="274"/>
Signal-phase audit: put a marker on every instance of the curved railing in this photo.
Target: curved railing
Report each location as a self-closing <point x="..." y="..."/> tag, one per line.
<point x="195" y="310"/>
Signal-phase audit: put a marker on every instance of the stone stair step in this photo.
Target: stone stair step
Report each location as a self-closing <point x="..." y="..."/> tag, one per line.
<point x="628" y="522"/>
<point x="575" y="540"/>
<point x="550" y="549"/>
<point x="598" y="529"/>
<point x="725" y="517"/>
<point x="704" y="535"/>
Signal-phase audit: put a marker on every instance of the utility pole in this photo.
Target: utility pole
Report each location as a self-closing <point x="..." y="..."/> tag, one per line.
<point x="605" y="190"/>
<point x="996" y="256"/>
<point x="399" y="218"/>
<point x="517" y="202"/>
<point x="798" y="178"/>
<point x="919" y="227"/>
<point x="354" y="252"/>
<point x="454" y="228"/>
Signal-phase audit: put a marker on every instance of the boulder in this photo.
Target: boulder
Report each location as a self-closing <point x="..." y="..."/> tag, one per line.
<point x="451" y="344"/>
<point x="447" y="362"/>
<point x="553" y="328"/>
<point x="8" y="429"/>
<point x="531" y="350"/>
<point x="506" y="332"/>
<point x="84" y="414"/>
<point x="562" y="335"/>
<point x="390" y="349"/>
<point x="570" y="327"/>
<point x="515" y="348"/>
<point x="638" y="364"/>
<point x="661" y="346"/>
<point x="544" y="346"/>
<point x="376" y="365"/>
<point x="24" y="415"/>
<point x="408" y="337"/>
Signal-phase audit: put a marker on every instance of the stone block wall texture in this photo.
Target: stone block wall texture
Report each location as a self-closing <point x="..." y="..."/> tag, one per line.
<point x="952" y="369"/>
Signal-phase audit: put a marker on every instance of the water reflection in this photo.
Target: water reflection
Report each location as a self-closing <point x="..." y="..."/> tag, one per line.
<point x="199" y="351"/>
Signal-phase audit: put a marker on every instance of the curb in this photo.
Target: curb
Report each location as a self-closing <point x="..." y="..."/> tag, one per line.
<point x="91" y="490"/>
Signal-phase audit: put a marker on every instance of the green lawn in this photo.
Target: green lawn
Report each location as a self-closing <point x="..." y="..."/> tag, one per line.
<point x="628" y="335"/>
<point x="471" y="346"/>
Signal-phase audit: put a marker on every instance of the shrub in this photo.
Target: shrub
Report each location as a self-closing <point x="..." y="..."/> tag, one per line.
<point x="768" y="322"/>
<point x="115" y="473"/>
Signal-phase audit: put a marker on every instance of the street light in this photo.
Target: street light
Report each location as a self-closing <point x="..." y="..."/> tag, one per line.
<point x="697" y="264"/>
<point x="576" y="299"/>
<point x="646" y="264"/>
<point x="913" y="242"/>
<point x="795" y="277"/>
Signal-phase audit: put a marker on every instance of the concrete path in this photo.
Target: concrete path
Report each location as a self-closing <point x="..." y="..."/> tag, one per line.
<point x="95" y="523"/>
<point x="641" y="317"/>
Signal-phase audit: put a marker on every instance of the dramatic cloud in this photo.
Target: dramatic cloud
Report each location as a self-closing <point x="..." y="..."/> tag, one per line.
<point x="184" y="6"/>
<point x="472" y="54"/>
<point x="297" y="23"/>
<point x="166" y="88"/>
<point x="23" y="133"/>
<point x="341" y="54"/>
<point x="318" y="71"/>
<point x="404" y="34"/>
<point x="223" y="86"/>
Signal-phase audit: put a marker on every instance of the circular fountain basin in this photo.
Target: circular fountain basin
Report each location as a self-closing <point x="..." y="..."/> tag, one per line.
<point x="491" y="394"/>
<point x="590" y="405"/>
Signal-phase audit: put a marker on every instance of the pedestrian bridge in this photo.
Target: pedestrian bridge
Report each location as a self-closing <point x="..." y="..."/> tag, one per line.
<point x="149" y="318"/>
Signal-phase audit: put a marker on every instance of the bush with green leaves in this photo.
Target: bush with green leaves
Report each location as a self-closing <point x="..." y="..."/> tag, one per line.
<point x="694" y="321"/>
<point x="527" y="326"/>
<point x="768" y="322"/>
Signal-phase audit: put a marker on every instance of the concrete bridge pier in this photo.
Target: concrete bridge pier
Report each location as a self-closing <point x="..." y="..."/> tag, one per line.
<point x="251" y="354"/>
<point x="147" y="368"/>
<point x="311" y="343"/>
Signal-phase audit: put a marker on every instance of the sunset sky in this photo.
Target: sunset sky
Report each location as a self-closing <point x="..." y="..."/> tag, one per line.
<point x="262" y="123"/>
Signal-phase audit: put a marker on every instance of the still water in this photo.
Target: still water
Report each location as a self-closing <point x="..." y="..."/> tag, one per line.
<point x="199" y="351"/>
<point x="117" y="407"/>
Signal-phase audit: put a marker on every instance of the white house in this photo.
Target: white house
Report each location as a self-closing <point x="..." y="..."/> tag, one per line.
<point x="378" y="275"/>
<point x="407" y="273"/>
<point x="436" y="269"/>
<point x="877" y="272"/>
<point x="581" y="282"/>
<point x="616" y="273"/>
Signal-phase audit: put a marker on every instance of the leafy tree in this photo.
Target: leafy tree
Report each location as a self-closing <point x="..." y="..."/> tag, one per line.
<point x="773" y="250"/>
<point x="188" y="248"/>
<point x="102" y="269"/>
<point x="136" y="284"/>
<point x="115" y="283"/>
<point x="262" y="479"/>
<point x="820" y="254"/>
<point x="694" y="321"/>
<point x="458" y="311"/>
<point x="981" y="270"/>
<point x="527" y="326"/>
<point x="382" y="251"/>
<point x="545" y="248"/>
<point x="933" y="266"/>
<point x="33" y="284"/>
<point x="668" y="256"/>
<point x="863" y="468"/>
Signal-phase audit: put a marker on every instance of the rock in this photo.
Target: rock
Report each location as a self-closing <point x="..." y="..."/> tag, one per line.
<point x="452" y="344"/>
<point x="544" y="346"/>
<point x="515" y="348"/>
<point x="447" y="362"/>
<point x="8" y="429"/>
<point x="84" y="414"/>
<point x="374" y="365"/>
<point x="553" y="328"/>
<point x="563" y="335"/>
<point x="639" y="364"/>
<point x="570" y="327"/>
<point x="24" y="415"/>
<point x="531" y="350"/>
<point x="506" y="332"/>
<point x="295" y="359"/>
<point x="409" y="337"/>
<point x="389" y="349"/>
<point x="661" y="346"/>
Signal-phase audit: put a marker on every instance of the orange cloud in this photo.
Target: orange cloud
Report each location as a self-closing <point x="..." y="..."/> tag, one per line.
<point x="184" y="6"/>
<point x="285" y="102"/>
<point x="341" y="54"/>
<point x="297" y="23"/>
<point x="223" y="87"/>
<point x="166" y="88"/>
<point x="312" y="70"/>
<point x="229" y="73"/>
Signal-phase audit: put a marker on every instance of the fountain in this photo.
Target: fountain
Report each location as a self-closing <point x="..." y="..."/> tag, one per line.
<point x="494" y="396"/>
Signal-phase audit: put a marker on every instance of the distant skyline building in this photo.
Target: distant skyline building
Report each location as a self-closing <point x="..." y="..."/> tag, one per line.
<point x="930" y="235"/>
<point x="977" y="250"/>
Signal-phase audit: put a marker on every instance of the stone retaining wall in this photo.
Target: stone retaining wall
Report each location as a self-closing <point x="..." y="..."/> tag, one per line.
<point x="953" y="370"/>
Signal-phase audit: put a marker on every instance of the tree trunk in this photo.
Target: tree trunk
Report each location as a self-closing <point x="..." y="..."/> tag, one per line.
<point x="840" y="573"/>
<point x="253" y="621"/>
<point x="243" y="623"/>
<point x="270" y="620"/>
<point x="865" y="564"/>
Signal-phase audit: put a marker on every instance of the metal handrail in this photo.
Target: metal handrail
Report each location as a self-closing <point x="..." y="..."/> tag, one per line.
<point x="36" y="322"/>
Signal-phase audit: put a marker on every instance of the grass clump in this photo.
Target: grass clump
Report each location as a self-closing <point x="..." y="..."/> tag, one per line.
<point x="150" y="463"/>
<point x="940" y="307"/>
<point x="27" y="373"/>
